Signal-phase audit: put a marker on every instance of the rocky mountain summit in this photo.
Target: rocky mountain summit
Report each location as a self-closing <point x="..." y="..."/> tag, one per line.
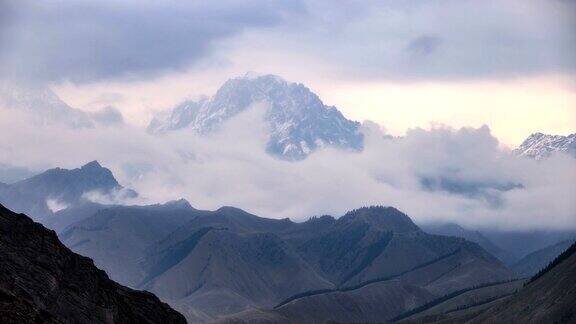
<point x="298" y="121"/>
<point x="42" y="281"/>
<point x="539" y="146"/>
<point x="45" y="194"/>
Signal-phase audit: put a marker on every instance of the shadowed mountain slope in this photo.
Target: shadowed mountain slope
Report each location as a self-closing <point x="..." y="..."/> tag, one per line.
<point x="549" y="298"/>
<point x="219" y="264"/>
<point x="382" y="299"/>
<point x="460" y="301"/>
<point x="216" y="272"/>
<point x="43" y="281"/>
<point x="451" y="229"/>
<point x="536" y="261"/>
<point x="117" y="237"/>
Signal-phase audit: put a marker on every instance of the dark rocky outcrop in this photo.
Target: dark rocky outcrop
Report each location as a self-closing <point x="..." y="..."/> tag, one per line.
<point x="42" y="281"/>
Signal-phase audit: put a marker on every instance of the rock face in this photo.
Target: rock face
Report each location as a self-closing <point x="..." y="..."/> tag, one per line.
<point x="539" y="146"/>
<point x="227" y="261"/>
<point x="43" y="281"/>
<point x="297" y="119"/>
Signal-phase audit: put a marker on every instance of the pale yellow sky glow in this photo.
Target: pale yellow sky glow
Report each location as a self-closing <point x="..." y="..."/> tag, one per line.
<point x="513" y="109"/>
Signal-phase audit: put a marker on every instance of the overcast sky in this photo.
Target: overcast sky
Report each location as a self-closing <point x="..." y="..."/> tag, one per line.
<point x="433" y="71"/>
<point x="508" y="63"/>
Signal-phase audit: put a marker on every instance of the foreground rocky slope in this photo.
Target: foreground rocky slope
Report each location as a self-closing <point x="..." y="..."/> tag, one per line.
<point x="42" y="281"/>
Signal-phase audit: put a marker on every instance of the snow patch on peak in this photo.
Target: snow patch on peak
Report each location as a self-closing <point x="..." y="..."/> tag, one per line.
<point x="298" y="121"/>
<point x="539" y="146"/>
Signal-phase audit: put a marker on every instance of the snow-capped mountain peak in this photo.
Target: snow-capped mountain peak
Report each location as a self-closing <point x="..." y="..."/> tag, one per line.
<point x="298" y="121"/>
<point x="539" y="146"/>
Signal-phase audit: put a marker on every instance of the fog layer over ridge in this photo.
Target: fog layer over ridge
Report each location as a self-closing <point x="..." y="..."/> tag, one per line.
<point x="446" y="174"/>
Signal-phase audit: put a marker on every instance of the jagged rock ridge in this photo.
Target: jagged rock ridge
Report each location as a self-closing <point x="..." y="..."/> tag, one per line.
<point x="298" y="121"/>
<point x="539" y="146"/>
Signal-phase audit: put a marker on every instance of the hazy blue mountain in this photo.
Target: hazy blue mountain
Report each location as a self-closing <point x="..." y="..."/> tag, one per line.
<point x="539" y="146"/>
<point x="538" y="260"/>
<point x="116" y="237"/>
<point x="56" y="189"/>
<point x="11" y="174"/>
<point x="42" y="104"/>
<point x="522" y="243"/>
<point x="451" y="229"/>
<point x="62" y="219"/>
<point x="297" y="119"/>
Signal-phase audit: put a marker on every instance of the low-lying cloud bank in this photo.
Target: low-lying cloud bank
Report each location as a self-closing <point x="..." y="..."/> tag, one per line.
<point x="460" y="175"/>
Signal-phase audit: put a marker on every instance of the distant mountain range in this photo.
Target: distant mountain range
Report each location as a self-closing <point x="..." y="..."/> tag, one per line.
<point x="298" y="121"/>
<point x="539" y="146"/>
<point x="42" y="281"/>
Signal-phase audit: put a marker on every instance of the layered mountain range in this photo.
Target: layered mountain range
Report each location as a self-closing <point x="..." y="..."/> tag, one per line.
<point x="369" y="265"/>
<point x="213" y="263"/>
<point x="297" y="120"/>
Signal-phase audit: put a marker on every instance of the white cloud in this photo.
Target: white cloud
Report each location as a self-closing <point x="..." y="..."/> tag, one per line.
<point x="476" y="182"/>
<point x="56" y="205"/>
